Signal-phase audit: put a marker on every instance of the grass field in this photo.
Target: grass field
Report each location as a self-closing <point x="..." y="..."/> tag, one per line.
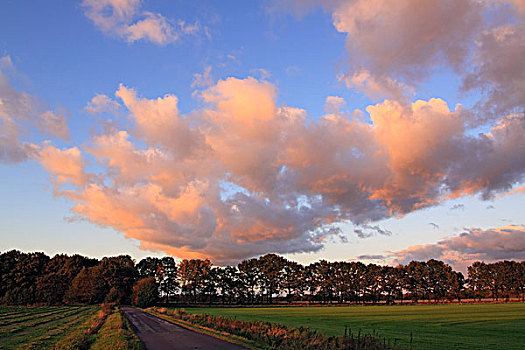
<point x="40" y="327"/>
<point x="467" y="326"/>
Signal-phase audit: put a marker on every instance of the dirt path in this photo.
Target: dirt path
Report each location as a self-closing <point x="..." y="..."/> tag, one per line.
<point x="158" y="334"/>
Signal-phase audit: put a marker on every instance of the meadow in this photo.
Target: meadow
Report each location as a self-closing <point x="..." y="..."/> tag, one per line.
<point x="64" y="327"/>
<point x="446" y="326"/>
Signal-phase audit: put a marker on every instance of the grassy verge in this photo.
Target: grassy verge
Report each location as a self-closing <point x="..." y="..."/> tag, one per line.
<point x="263" y="335"/>
<point x="116" y="334"/>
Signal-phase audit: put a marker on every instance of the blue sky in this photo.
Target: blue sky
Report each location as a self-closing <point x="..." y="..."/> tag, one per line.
<point x="376" y="181"/>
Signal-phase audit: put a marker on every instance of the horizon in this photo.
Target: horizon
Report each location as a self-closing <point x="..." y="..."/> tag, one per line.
<point x="345" y="130"/>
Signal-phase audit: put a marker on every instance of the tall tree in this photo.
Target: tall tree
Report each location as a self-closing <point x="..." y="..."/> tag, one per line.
<point x="479" y="279"/>
<point x="192" y="274"/>
<point x="271" y="267"/>
<point x="249" y="276"/>
<point x="168" y="282"/>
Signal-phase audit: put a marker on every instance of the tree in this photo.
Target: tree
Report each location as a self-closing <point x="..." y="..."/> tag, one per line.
<point x="479" y="279"/>
<point x="168" y="281"/>
<point x="192" y="274"/>
<point x="19" y="275"/>
<point x="456" y="283"/>
<point x="357" y="272"/>
<point x="249" y="275"/>
<point x="60" y="271"/>
<point x="322" y="279"/>
<point x="294" y="283"/>
<point x="416" y="279"/>
<point x="88" y="287"/>
<point x="227" y="280"/>
<point x="271" y="267"/>
<point x="145" y="292"/>
<point x="51" y="288"/>
<point x="150" y="267"/>
<point x="439" y="276"/>
<point x="110" y="281"/>
<point x="119" y="274"/>
<point x="390" y="283"/>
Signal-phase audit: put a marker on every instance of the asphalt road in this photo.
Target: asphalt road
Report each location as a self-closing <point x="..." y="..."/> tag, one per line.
<point x="158" y="334"/>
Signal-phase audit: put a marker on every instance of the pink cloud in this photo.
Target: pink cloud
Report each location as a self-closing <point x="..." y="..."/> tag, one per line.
<point x="502" y="243"/>
<point x="65" y="166"/>
<point x="243" y="176"/>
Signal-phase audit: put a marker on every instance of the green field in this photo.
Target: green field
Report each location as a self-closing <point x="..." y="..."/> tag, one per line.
<point x="467" y="326"/>
<point x="40" y="327"/>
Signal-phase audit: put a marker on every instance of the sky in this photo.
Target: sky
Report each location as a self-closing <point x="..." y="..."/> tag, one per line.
<point x="363" y="130"/>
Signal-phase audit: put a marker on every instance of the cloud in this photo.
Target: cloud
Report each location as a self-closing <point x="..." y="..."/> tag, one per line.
<point x="371" y="257"/>
<point x="6" y="64"/>
<point x="202" y="80"/>
<point x="65" y="166"/>
<point x="499" y="71"/>
<point x="502" y="243"/>
<point x="458" y="207"/>
<point x="54" y="125"/>
<point x="125" y="19"/>
<point x="366" y="231"/>
<point x="516" y="190"/>
<point x="394" y="46"/>
<point x="19" y="114"/>
<point x="334" y="104"/>
<point x="100" y="104"/>
<point x="242" y="176"/>
<point x="377" y="87"/>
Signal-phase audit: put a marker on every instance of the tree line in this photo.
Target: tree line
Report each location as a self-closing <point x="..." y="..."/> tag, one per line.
<point x="35" y="278"/>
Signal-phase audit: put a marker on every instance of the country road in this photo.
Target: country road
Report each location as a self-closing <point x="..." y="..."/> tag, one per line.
<point x="158" y="334"/>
